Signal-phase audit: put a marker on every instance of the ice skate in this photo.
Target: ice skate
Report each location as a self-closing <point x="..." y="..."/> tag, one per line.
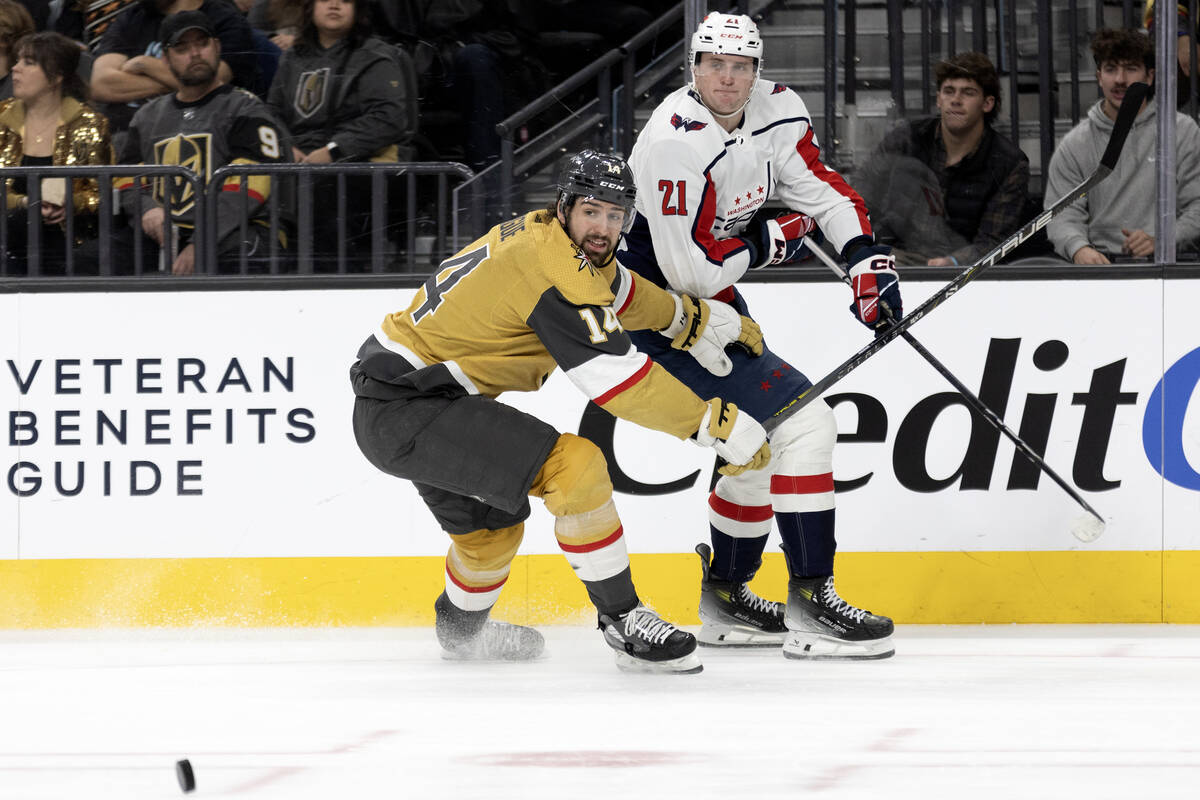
<point x="463" y="639"/>
<point x="732" y="615"/>
<point x="645" y="642"/>
<point x="821" y="625"/>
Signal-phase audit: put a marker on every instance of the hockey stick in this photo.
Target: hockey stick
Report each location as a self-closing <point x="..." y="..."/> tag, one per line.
<point x="1086" y="529"/>
<point x="1130" y="106"/>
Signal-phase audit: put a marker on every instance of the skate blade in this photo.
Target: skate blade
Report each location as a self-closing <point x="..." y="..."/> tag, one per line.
<point x="718" y="635"/>
<point x="811" y="647"/>
<point x="685" y="665"/>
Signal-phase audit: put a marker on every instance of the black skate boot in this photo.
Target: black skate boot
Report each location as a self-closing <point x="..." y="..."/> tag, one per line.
<point x="471" y="636"/>
<point x="734" y="616"/>
<point x="821" y="625"/>
<point x="645" y="642"/>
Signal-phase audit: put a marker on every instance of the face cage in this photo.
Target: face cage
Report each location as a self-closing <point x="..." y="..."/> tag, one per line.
<point x="568" y="199"/>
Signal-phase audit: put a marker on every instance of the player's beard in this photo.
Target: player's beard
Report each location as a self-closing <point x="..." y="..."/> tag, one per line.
<point x="599" y="259"/>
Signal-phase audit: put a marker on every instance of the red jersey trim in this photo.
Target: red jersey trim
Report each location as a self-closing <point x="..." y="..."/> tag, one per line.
<point x="625" y="384"/>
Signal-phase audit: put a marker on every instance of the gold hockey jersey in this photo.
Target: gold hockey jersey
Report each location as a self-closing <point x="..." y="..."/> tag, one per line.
<point x="511" y="306"/>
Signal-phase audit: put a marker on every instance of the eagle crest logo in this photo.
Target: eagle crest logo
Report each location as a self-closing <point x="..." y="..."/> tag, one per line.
<point x="687" y="124"/>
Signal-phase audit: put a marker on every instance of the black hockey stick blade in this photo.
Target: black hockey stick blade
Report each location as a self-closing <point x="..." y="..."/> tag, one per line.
<point x="1126" y="115"/>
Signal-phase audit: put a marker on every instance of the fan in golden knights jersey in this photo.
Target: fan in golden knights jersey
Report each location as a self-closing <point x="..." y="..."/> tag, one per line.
<point x="203" y="126"/>
<point x="535" y="293"/>
<point x="707" y="161"/>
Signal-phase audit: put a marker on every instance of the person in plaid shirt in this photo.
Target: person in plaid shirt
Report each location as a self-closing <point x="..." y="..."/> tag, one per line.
<point x="945" y="190"/>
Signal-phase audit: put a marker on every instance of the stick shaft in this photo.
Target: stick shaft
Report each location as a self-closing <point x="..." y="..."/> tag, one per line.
<point x="973" y="401"/>
<point x="1130" y="106"/>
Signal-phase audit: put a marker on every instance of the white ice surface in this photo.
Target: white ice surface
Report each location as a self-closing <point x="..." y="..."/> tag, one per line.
<point x="960" y="712"/>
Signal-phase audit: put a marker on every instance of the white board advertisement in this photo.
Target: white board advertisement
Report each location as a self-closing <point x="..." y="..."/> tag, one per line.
<point x="217" y="424"/>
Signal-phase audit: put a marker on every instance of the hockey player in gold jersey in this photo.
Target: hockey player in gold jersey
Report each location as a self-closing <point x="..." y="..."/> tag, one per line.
<point x="535" y="293"/>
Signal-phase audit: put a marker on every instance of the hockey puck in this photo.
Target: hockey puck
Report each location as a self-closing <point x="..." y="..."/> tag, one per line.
<point x="187" y="778"/>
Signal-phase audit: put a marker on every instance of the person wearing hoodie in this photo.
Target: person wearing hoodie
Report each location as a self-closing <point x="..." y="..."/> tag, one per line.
<point x="342" y="94"/>
<point x="1116" y="219"/>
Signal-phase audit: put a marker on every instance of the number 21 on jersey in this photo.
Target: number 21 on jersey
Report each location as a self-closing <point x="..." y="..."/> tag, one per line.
<point x="679" y="190"/>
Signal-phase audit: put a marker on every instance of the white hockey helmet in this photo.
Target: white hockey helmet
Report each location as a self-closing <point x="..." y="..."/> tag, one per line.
<point x="728" y="34"/>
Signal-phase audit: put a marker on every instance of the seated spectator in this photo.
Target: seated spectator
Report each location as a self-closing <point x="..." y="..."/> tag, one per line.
<point x="1184" y="30"/>
<point x="342" y="94"/>
<point x="279" y="19"/>
<point x="86" y="20"/>
<point x="47" y="124"/>
<point x="129" y="71"/>
<point x="1116" y="218"/>
<point x="206" y="124"/>
<point x="15" y="22"/>
<point x="946" y="190"/>
<point x="476" y="60"/>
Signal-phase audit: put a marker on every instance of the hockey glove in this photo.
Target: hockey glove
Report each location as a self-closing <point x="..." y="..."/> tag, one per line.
<point x="737" y="437"/>
<point x="876" y="284"/>
<point x="778" y="240"/>
<point x="704" y="328"/>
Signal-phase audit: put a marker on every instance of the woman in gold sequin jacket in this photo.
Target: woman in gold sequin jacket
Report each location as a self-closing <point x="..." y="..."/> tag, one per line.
<point x="46" y="123"/>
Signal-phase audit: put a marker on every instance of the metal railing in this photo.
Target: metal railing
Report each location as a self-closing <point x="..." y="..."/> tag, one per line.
<point x="108" y="213"/>
<point x="300" y="182"/>
<point x="410" y="225"/>
<point x="601" y="118"/>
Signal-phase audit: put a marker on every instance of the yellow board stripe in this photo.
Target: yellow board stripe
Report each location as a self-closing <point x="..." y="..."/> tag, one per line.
<point x="943" y="588"/>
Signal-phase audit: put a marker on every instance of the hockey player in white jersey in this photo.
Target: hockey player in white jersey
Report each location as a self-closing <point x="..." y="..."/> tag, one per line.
<point x="708" y="160"/>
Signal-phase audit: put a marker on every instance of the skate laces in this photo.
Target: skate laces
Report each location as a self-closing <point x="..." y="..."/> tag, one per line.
<point x="830" y="597"/>
<point x="755" y="603"/>
<point x="645" y="624"/>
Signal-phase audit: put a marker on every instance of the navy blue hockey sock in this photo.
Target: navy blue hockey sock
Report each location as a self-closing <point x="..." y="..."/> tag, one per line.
<point x="735" y="559"/>
<point x="809" y="540"/>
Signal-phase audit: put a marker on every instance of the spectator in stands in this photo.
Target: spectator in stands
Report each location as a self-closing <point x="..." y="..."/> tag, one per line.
<point x="477" y="60"/>
<point x="343" y="96"/>
<point x="947" y="189"/>
<point x="1116" y="219"/>
<point x="15" y="23"/>
<point x="129" y="70"/>
<point x="205" y="124"/>
<point x="1186" y="45"/>
<point x="47" y="124"/>
<point x="279" y="19"/>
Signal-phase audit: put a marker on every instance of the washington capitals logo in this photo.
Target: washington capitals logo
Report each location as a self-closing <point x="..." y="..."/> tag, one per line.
<point x="779" y="87"/>
<point x="687" y="124"/>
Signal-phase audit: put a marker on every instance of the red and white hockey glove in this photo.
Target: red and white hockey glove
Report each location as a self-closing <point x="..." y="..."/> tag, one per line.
<point x="875" y="282"/>
<point x="779" y="240"/>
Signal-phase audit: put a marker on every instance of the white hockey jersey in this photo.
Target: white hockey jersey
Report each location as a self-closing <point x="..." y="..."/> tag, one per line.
<point x="698" y="186"/>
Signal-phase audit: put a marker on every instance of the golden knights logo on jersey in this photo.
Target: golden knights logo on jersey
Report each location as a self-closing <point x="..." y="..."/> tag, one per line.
<point x="310" y="92"/>
<point x="193" y="151"/>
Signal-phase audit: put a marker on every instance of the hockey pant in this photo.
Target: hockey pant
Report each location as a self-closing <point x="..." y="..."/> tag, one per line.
<point x="475" y="462"/>
<point x="795" y="490"/>
<point x="574" y="484"/>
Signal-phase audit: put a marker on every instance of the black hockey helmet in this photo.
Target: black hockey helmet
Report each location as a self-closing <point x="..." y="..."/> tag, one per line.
<point x="600" y="176"/>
